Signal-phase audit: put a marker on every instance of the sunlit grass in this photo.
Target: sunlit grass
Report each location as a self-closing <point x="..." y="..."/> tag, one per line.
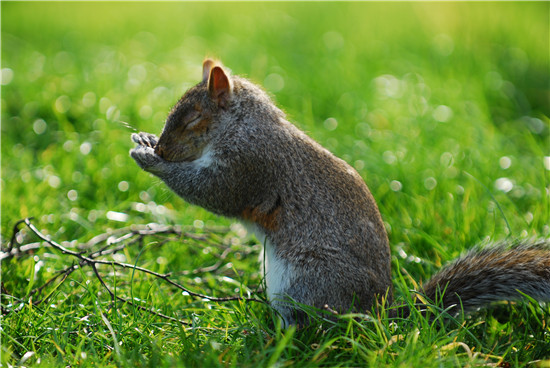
<point x="441" y="107"/>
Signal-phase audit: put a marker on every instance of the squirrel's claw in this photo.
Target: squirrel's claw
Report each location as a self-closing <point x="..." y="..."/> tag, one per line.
<point x="145" y="139"/>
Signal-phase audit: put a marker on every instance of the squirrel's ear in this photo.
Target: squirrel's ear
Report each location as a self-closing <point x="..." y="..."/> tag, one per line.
<point x="219" y="86"/>
<point x="207" y="66"/>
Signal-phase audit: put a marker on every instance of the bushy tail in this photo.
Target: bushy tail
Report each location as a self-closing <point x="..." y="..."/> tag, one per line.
<point x="501" y="271"/>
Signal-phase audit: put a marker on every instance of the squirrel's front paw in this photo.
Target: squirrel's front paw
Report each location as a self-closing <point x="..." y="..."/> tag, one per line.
<point x="145" y="139"/>
<point x="144" y="154"/>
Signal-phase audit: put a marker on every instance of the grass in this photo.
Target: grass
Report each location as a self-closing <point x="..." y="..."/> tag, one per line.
<point x="442" y="108"/>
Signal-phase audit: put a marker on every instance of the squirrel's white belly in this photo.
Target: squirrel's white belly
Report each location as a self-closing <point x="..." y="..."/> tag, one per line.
<point x="277" y="272"/>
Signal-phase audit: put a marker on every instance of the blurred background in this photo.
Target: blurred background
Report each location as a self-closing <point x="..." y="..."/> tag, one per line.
<point x="442" y="107"/>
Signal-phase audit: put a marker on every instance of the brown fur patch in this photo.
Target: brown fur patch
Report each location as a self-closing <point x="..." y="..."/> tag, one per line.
<point x="268" y="220"/>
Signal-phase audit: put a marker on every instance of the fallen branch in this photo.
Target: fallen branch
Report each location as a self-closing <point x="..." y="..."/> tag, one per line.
<point x="116" y="241"/>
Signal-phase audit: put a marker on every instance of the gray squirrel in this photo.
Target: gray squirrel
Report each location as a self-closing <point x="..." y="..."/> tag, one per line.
<point x="227" y="148"/>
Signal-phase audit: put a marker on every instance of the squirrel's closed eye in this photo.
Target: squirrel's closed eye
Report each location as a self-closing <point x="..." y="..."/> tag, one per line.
<point x="194" y="122"/>
<point x="192" y="119"/>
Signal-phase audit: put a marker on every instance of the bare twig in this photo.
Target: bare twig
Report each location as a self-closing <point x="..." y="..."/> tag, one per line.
<point x="64" y="273"/>
<point x="15" y="232"/>
<point x="149" y="310"/>
<point x="22" y="249"/>
<point x="116" y="241"/>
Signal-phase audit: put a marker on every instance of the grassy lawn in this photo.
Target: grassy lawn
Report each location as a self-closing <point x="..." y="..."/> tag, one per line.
<point x="443" y="108"/>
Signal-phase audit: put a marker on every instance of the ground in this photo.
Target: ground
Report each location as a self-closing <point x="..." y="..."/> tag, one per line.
<point x="441" y="107"/>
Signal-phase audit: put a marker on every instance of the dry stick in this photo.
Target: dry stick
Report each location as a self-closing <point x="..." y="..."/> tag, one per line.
<point x="15" y="232"/>
<point x="152" y="311"/>
<point x="92" y="262"/>
<point x="65" y="273"/>
<point x="105" y="252"/>
<point x="213" y="267"/>
<point x="84" y="260"/>
<point x="216" y="265"/>
<point x="131" y="231"/>
<point x="94" y="268"/>
<point x="22" y="249"/>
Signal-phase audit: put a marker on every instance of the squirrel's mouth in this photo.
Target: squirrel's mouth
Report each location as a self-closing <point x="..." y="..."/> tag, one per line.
<point x="174" y="153"/>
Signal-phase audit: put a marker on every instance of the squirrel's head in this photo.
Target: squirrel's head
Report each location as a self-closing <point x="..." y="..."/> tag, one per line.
<point x="192" y="120"/>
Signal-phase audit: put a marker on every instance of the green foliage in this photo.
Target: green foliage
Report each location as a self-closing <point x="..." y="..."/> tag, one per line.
<point x="442" y="107"/>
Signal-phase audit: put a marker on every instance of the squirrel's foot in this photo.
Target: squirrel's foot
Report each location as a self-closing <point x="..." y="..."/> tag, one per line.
<point x="145" y="139"/>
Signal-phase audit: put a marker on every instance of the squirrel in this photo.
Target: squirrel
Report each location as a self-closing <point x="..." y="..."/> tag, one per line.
<point x="227" y="148"/>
